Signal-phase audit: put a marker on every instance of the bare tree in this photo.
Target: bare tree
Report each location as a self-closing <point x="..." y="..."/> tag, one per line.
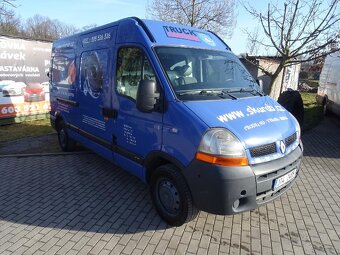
<point x="215" y="15"/>
<point x="299" y="31"/>
<point x="10" y="24"/>
<point x="43" y="28"/>
<point x="252" y="46"/>
<point x="4" y="4"/>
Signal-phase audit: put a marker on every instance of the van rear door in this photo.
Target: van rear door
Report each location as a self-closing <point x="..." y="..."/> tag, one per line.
<point x="94" y="97"/>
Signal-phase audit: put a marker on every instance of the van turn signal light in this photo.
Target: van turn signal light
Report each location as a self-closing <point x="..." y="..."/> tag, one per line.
<point x="218" y="160"/>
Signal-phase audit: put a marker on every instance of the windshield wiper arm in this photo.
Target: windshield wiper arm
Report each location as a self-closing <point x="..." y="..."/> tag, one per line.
<point x="199" y="92"/>
<point x="208" y="92"/>
<point x="251" y="90"/>
<point x="227" y="92"/>
<point x="242" y="90"/>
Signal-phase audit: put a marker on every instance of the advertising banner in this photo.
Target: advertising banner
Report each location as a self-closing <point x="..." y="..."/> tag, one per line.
<point x="24" y="86"/>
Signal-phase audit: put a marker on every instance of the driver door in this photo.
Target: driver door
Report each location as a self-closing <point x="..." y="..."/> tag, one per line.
<point x="137" y="133"/>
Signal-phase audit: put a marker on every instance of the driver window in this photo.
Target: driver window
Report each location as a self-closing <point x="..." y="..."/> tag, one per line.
<point x="132" y="67"/>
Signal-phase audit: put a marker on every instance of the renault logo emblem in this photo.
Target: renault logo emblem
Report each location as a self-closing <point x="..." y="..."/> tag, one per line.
<point x="282" y="147"/>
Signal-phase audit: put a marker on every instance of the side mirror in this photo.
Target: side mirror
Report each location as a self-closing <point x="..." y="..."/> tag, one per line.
<point x="260" y="83"/>
<point x="147" y="96"/>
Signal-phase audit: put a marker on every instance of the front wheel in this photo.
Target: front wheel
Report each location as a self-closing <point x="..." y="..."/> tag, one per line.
<point x="171" y="196"/>
<point x="65" y="143"/>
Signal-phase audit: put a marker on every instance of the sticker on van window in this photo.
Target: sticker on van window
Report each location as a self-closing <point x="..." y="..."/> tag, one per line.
<point x="181" y="33"/>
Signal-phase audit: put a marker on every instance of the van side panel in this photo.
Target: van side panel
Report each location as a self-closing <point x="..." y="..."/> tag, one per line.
<point x="182" y="131"/>
<point x="72" y="99"/>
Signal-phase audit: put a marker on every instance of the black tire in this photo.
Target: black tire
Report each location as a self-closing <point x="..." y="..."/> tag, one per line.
<point x="65" y="143"/>
<point x="292" y="101"/>
<point x="171" y="196"/>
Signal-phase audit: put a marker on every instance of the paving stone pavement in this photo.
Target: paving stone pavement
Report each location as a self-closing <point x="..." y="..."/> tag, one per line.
<point x="82" y="204"/>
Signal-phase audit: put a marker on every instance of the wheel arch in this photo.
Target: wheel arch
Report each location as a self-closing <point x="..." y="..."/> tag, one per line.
<point x="156" y="159"/>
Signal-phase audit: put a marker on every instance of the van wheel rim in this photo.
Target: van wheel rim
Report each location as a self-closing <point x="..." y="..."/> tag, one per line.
<point x="169" y="196"/>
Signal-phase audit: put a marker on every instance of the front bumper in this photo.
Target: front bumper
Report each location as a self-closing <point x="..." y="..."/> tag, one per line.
<point x="230" y="190"/>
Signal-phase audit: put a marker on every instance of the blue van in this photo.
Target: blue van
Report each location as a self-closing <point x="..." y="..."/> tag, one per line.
<point x="175" y="107"/>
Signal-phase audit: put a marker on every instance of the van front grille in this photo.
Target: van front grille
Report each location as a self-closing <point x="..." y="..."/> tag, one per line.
<point x="263" y="150"/>
<point x="290" y="140"/>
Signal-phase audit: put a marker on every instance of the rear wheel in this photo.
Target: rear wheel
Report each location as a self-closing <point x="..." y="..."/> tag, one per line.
<point x="171" y="196"/>
<point x="65" y="143"/>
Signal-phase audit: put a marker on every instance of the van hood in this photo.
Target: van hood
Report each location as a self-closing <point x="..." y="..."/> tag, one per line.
<point x="255" y="121"/>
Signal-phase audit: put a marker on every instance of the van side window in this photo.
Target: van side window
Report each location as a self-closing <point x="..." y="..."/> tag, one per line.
<point x="93" y="72"/>
<point x="132" y="67"/>
<point x="63" y="70"/>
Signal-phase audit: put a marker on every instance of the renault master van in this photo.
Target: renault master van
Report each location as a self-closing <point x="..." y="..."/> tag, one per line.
<point x="175" y="107"/>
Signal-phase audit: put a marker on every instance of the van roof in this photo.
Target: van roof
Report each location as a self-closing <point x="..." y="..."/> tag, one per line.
<point x="166" y="33"/>
<point x="155" y="33"/>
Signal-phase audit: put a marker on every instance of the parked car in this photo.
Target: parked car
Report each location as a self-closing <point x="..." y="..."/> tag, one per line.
<point x="46" y="86"/>
<point x="14" y="89"/>
<point x="34" y="92"/>
<point x="4" y="83"/>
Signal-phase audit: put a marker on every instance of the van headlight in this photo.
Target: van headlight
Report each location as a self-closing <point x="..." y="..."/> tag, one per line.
<point x="221" y="147"/>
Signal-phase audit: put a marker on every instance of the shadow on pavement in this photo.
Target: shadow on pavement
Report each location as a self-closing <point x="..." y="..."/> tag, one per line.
<point x="77" y="192"/>
<point x="323" y="140"/>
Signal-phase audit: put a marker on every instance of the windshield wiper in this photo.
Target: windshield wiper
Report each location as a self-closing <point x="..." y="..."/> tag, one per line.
<point x="251" y="90"/>
<point x="208" y="92"/>
<point x="194" y="92"/>
<point x="228" y="91"/>
<point x="243" y="90"/>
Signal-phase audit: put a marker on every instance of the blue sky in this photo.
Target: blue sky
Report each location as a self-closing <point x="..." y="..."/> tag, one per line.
<point x="86" y="12"/>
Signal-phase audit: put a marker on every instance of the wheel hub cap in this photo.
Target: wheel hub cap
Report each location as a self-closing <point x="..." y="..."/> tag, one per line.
<point x="169" y="197"/>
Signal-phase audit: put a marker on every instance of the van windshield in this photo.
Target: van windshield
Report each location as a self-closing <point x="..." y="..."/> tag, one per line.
<point x="198" y="74"/>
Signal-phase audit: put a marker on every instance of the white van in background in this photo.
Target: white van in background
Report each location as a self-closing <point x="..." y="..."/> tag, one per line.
<point x="329" y="84"/>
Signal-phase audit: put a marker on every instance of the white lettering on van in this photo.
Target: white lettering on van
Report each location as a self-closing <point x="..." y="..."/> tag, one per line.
<point x="96" y="38"/>
<point x="254" y="125"/>
<point x="230" y="116"/>
<point x="265" y="108"/>
<point x="251" y="111"/>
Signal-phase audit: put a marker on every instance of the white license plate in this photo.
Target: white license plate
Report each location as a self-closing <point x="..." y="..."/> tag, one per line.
<point x="283" y="180"/>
